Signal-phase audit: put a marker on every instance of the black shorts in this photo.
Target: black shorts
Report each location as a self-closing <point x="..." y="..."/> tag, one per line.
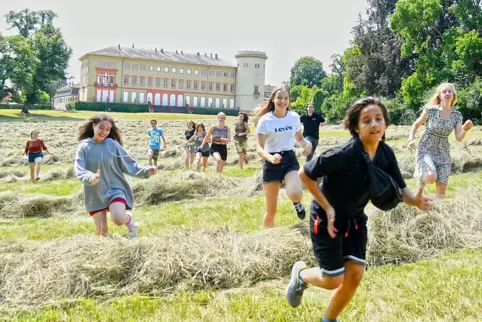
<point x="222" y="149"/>
<point x="348" y="245"/>
<point x="204" y="153"/>
<point x="155" y="153"/>
<point x="277" y="172"/>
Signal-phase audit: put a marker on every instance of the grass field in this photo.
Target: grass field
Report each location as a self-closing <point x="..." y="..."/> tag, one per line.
<point x="202" y="254"/>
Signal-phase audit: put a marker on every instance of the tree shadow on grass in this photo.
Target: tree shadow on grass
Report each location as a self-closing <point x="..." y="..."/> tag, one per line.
<point x="18" y="117"/>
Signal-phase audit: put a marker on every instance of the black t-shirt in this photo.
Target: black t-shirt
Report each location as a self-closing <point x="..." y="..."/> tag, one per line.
<point x="344" y="174"/>
<point x="311" y="124"/>
<point x="189" y="133"/>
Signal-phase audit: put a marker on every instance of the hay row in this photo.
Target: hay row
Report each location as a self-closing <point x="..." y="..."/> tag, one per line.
<point x="164" y="187"/>
<point x="38" y="272"/>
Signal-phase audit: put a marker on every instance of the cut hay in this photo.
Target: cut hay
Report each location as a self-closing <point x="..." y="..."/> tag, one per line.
<point x="405" y="234"/>
<point x="38" y="205"/>
<point x="59" y="174"/>
<point x="41" y="273"/>
<point x="460" y="164"/>
<point x="167" y="187"/>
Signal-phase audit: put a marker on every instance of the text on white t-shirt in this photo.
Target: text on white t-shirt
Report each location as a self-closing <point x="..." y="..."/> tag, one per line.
<point x="280" y="131"/>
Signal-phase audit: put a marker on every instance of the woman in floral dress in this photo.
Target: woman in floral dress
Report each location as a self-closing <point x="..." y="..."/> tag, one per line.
<point x="434" y="163"/>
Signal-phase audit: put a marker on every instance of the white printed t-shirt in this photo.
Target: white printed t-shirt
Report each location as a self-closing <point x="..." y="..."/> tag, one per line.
<point x="280" y="131"/>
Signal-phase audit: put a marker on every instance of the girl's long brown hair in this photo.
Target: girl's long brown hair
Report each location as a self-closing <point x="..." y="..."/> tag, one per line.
<point x="268" y="106"/>
<point x="86" y="129"/>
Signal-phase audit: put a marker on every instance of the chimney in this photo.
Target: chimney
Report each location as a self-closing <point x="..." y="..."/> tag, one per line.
<point x="182" y="52"/>
<point x="118" y="46"/>
<point x="216" y="56"/>
<point x="162" y="50"/>
<point x="211" y="55"/>
<point x="205" y="54"/>
<point x="176" y="52"/>
<point x="155" y="49"/>
<point x="198" y="54"/>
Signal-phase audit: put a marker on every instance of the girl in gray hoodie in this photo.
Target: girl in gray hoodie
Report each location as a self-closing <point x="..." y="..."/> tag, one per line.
<point x="100" y="164"/>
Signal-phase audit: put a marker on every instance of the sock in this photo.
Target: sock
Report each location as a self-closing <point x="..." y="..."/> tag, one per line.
<point x="323" y="319"/>
<point x="301" y="281"/>
<point x="295" y="203"/>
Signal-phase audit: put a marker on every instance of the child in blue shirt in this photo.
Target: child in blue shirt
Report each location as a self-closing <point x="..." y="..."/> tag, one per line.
<point x="155" y="135"/>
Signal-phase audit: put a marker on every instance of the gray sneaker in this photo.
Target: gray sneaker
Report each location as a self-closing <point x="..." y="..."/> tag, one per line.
<point x="132" y="228"/>
<point x="294" y="291"/>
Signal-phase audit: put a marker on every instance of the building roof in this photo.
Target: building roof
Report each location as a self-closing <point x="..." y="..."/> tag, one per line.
<point x="71" y="89"/>
<point x="162" y="55"/>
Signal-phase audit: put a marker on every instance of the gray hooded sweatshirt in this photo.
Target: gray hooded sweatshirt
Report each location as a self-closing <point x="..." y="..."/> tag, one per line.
<point x="113" y="161"/>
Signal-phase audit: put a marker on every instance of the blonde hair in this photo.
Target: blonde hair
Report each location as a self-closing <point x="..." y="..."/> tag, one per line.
<point x="269" y="105"/>
<point x="435" y="100"/>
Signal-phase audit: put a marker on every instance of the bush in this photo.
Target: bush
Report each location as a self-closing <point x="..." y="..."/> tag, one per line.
<point x="214" y="111"/>
<point x="111" y="107"/>
<point x="470" y="101"/>
<point x="399" y="113"/>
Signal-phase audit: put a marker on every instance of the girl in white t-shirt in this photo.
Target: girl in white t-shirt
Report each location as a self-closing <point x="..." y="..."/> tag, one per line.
<point x="278" y="128"/>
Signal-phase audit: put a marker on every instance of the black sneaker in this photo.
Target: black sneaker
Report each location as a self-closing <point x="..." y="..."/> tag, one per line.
<point x="300" y="210"/>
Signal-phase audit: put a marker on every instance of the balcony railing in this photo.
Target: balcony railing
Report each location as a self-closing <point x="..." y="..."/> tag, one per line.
<point x="105" y="84"/>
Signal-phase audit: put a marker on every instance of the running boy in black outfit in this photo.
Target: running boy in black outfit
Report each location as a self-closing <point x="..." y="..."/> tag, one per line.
<point x="311" y="128"/>
<point x="338" y="222"/>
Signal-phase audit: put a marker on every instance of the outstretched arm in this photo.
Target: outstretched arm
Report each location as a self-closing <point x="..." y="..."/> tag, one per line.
<point x="130" y="166"/>
<point x="419" y="122"/>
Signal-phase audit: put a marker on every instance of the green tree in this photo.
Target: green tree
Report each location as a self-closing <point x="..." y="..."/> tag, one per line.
<point x="295" y="92"/>
<point x="307" y="71"/>
<point x="16" y="61"/>
<point x="49" y="47"/>
<point x="319" y="97"/>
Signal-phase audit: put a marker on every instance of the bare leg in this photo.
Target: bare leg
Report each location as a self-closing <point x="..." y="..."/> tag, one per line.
<point x="32" y="171"/>
<point x="440" y="189"/>
<point x="205" y="163"/>
<point x="219" y="162"/>
<point x="100" y="220"/>
<point x="118" y="213"/>
<point x="241" y="160"/>
<point x="343" y="294"/>
<point x="313" y="276"/>
<point x="294" y="188"/>
<point x="191" y="159"/>
<point x="271" y="192"/>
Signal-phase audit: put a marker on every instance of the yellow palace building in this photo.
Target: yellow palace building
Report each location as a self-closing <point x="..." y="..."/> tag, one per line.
<point x="135" y="75"/>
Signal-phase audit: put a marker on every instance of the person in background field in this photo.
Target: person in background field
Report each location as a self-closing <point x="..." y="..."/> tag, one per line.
<point x="100" y="164"/>
<point x="202" y="151"/>
<point x="338" y="222"/>
<point x="189" y="149"/>
<point x="220" y="135"/>
<point x="34" y="154"/>
<point x="434" y="163"/>
<point x="241" y="131"/>
<point x="150" y="107"/>
<point x="278" y="128"/>
<point x="311" y="128"/>
<point x="155" y="136"/>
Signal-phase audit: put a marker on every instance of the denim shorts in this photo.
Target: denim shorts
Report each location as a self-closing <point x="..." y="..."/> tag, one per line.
<point x="277" y="172"/>
<point x="33" y="156"/>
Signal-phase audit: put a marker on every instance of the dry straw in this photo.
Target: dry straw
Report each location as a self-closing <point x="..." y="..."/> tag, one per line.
<point x="37" y="273"/>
